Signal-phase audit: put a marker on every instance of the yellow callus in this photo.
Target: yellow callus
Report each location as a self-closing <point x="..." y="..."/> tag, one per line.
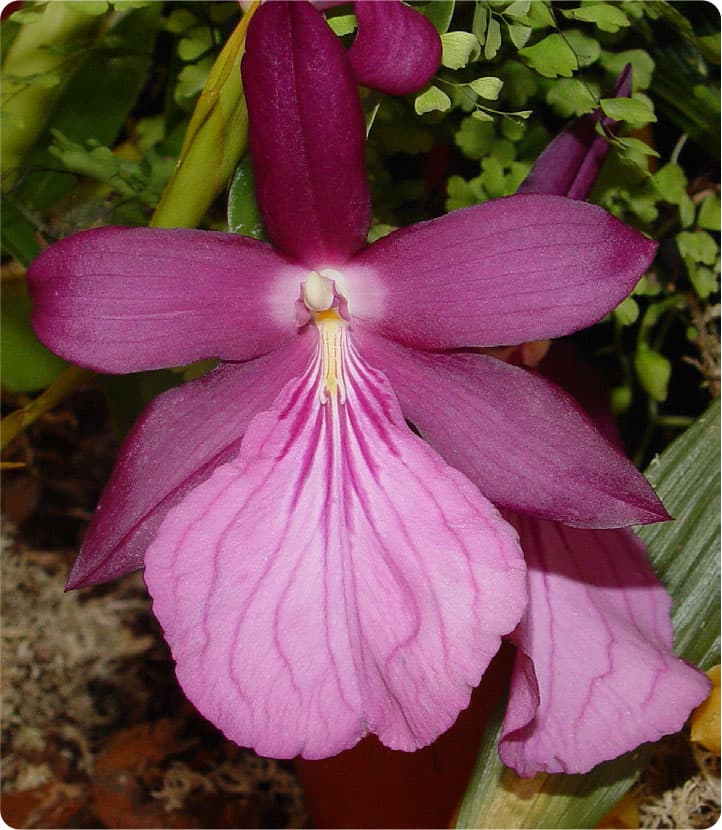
<point x="705" y="721"/>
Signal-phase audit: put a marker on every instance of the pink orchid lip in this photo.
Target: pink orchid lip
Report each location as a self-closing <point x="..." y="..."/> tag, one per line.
<point x="347" y="605"/>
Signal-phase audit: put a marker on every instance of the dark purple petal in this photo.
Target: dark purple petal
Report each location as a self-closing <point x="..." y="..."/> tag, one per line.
<point x="397" y="49"/>
<point x="130" y="299"/>
<point x="521" y="268"/>
<point x="175" y="445"/>
<point x="522" y="440"/>
<point x="570" y="163"/>
<point x="307" y="135"/>
<point x="595" y="675"/>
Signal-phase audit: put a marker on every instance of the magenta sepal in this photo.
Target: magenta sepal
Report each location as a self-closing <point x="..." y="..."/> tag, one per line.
<point x="182" y="436"/>
<point x="522" y="440"/>
<point x="131" y="299"/>
<point x="306" y="134"/>
<point x="525" y="267"/>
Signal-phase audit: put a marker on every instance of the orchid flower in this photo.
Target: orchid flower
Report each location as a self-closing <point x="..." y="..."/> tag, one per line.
<point x="595" y="674"/>
<point x="319" y="571"/>
<point x="396" y="50"/>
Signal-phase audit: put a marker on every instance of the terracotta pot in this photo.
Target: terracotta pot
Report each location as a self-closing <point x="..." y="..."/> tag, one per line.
<point x="372" y="786"/>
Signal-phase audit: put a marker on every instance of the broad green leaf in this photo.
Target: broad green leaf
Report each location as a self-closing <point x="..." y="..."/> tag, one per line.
<point x="243" y="214"/>
<point x="26" y="365"/>
<point x="605" y="16"/>
<point x="481" y="115"/>
<point x="458" y="49"/>
<point x="439" y="12"/>
<point x="685" y="554"/>
<point x="488" y="87"/>
<point x="633" y="111"/>
<point x="492" y="42"/>
<point x="343" y="24"/>
<point x="551" y="57"/>
<point x="433" y="99"/>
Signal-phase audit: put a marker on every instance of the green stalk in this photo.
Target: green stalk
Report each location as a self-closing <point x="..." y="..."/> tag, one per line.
<point x="216" y="140"/>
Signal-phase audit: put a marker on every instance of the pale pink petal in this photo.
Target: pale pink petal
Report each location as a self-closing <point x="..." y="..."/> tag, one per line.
<point x="337" y="578"/>
<point x="176" y="444"/>
<point x="523" y="441"/>
<point x="396" y="50"/>
<point x="526" y="267"/>
<point x="130" y="299"/>
<point x="595" y="674"/>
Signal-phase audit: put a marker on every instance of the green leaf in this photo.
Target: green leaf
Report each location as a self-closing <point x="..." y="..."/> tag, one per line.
<point x="439" y="12"/>
<point x="194" y="43"/>
<point x="433" y="100"/>
<point x="343" y="24"/>
<point x="479" y="21"/>
<point x="519" y="34"/>
<point x="89" y="7"/>
<point x="570" y="97"/>
<point x="641" y="61"/>
<point x="488" y="87"/>
<point x="685" y="552"/>
<point x="25" y="364"/>
<point x="243" y="214"/>
<point x="587" y="49"/>
<point x="709" y="213"/>
<point x="605" y="16"/>
<point x="458" y="48"/>
<point x="474" y="138"/>
<point x="481" y="115"/>
<point x="699" y="250"/>
<point x="627" y="312"/>
<point x="653" y="370"/>
<point x="671" y="183"/>
<point x="634" y="111"/>
<point x="697" y="247"/>
<point x="551" y="57"/>
<point x="519" y="8"/>
<point x="635" y="146"/>
<point x="492" y="41"/>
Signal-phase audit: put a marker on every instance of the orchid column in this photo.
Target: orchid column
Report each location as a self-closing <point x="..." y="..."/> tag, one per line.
<point x="319" y="571"/>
